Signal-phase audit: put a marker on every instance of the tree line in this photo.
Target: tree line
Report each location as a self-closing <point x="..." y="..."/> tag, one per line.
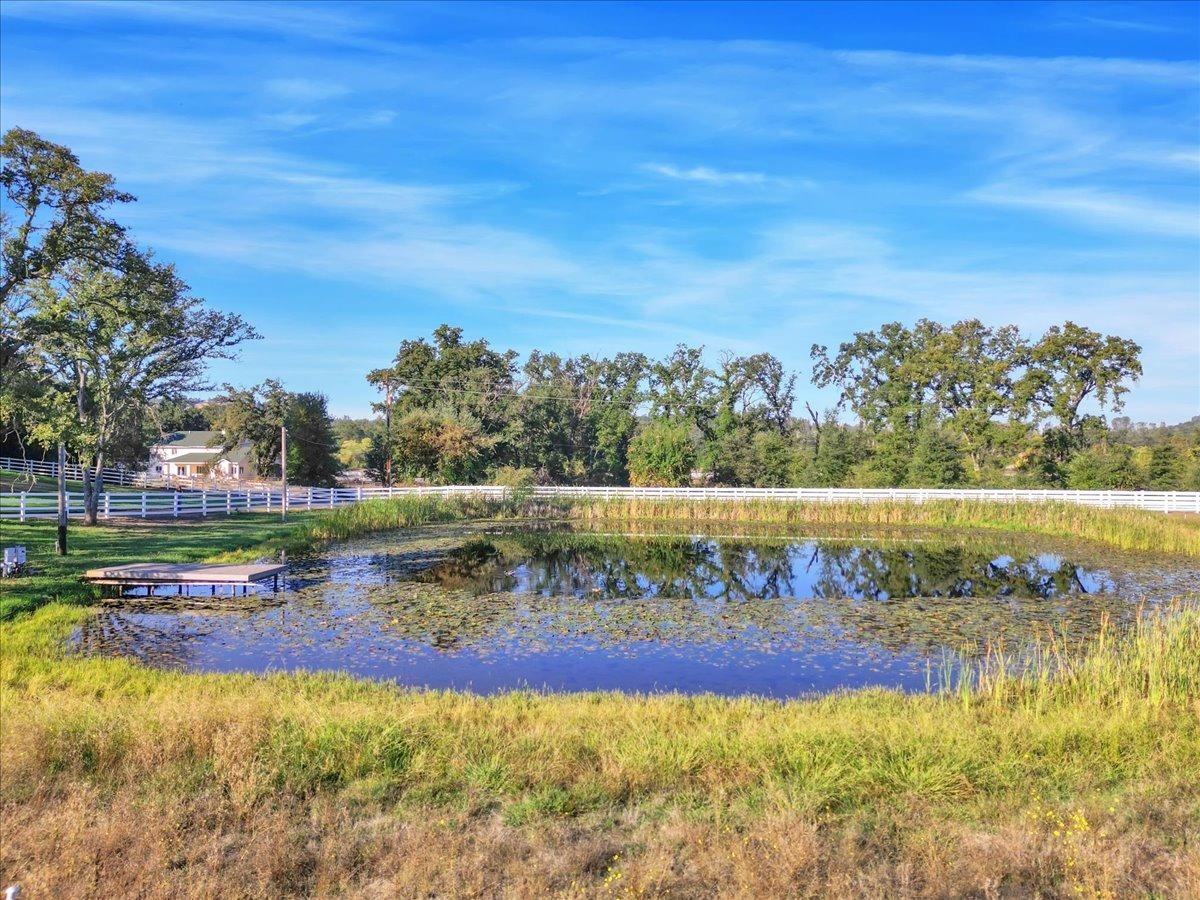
<point x="103" y="344"/>
<point x="930" y="405"/>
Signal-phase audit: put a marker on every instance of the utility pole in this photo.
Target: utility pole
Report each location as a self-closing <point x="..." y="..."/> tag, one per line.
<point x="387" y="436"/>
<point x="283" y="470"/>
<point x="60" y="545"/>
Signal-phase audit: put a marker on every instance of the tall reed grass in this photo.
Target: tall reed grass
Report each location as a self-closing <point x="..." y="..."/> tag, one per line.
<point x="1129" y="529"/>
<point x="311" y="530"/>
<point x="1154" y="663"/>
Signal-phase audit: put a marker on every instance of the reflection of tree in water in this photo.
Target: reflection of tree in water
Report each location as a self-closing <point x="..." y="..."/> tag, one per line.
<point x="542" y="589"/>
<point x="578" y="565"/>
<point x="885" y="573"/>
<point x="162" y="640"/>
<point x="515" y="593"/>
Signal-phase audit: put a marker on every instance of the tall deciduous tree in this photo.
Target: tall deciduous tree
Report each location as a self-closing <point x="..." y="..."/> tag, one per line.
<point x="104" y="346"/>
<point x="878" y="375"/>
<point x="466" y="382"/>
<point x="56" y="212"/>
<point x="612" y="418"/>
<point x="681" y="389"/>
<point x="1071" y="364"/>
<point x="972" y="372"/>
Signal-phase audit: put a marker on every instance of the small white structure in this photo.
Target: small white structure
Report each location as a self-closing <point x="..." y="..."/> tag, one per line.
<point x="189" y="454"/>
<point x="14" y="561"/>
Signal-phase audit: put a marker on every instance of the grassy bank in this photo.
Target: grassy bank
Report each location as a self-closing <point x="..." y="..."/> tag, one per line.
<point x="122" y="780"/>
<point x="130" y="780"/>
<point x="1128" y="529"/>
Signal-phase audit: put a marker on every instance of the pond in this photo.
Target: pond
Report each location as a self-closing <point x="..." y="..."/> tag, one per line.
<point x="497" y="608"/>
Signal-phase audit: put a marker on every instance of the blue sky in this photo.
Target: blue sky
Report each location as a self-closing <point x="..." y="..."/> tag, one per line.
<point x="602" y="177"/>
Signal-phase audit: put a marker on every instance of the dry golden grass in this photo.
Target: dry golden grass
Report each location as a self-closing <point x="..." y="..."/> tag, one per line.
<point x="74" y="841"/>
<point x="123" y="781"/>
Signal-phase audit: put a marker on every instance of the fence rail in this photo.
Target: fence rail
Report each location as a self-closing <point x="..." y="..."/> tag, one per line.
<point x="30" y="505"/>
<point x="47" y="469"/>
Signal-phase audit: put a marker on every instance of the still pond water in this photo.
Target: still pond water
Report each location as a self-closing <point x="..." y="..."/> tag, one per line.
<point x="491" y="609"/>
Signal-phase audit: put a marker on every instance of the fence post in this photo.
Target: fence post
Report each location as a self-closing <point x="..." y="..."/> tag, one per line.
<point x="107" y="505"/>
<point x="22" y="506"/>
<point x="310" y="498"/>
<point x="204" y="503"/>
<point x="358" y="495"/>
<point x="175" y="506"/>
<point x="228" y="503"/>
<point x="143" y="504"/>
<point x="332" y="496"/>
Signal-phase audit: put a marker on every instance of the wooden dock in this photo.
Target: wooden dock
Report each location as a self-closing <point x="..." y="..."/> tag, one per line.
<point x="181" y="575"/>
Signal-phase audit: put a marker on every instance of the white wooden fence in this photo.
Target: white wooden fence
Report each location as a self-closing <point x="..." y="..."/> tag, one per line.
<point x="47" y="469"/>
<point x="25" y="506"/>
<point x="1158" y="501"/>
<point x="130" y="477"/>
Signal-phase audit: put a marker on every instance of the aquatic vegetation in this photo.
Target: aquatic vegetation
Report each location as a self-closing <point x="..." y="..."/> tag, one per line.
<point x="494" y="607"/>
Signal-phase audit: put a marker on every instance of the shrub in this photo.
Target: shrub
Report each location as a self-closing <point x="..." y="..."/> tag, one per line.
<point x="661" y="453"/>
<point x="1102" y="468"/>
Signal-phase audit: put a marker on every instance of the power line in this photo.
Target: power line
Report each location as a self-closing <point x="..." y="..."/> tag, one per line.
<point x="518" y="389"/>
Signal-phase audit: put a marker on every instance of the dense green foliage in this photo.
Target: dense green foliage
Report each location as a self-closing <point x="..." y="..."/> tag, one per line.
<point x="259" y="413"/>
<point x="933" y="406"/>
<point x="661" y="454"/>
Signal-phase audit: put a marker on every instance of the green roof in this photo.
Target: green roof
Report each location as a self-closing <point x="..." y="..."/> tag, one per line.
<point x="197" y="439"/>
<point x="188" y="458"/>
<point x="239" y="454"/>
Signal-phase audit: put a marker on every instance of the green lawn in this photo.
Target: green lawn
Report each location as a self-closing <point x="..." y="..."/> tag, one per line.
<point x="124" y="541"/>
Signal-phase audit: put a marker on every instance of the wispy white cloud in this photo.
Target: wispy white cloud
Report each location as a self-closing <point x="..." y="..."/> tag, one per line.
<point x="1098" y="209"/>
<point x="707" y="175"/>
<point x="304" y="90"/>
<point x="305" y="20"/>
<point x="1128" y="24"/>
<point x="1027" y="68"/>
<point x="290" y="120"/>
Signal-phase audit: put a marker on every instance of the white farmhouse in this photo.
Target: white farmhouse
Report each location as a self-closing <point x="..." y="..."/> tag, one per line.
<point x="184" y="454"/>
